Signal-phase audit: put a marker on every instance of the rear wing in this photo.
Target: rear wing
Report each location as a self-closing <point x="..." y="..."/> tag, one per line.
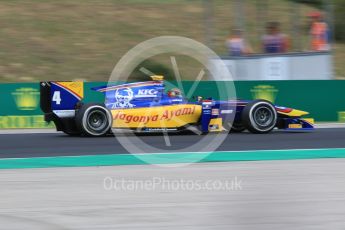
<point x="60" y="96"/>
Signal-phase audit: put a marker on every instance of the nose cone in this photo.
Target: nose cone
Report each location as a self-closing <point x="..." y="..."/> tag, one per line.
<point x="294" y="113"/>
<point x="298" y="113"/>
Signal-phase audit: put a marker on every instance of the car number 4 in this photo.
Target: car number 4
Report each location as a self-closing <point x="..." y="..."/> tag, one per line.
<point x="57" y="97"/>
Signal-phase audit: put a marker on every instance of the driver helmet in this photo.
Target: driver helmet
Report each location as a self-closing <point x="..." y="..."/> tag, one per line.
<point x="175" y="93"/>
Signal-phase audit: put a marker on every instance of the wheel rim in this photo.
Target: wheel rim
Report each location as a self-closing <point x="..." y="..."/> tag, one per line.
<point x="263" y="116"/>
<point x="97" y="120"/>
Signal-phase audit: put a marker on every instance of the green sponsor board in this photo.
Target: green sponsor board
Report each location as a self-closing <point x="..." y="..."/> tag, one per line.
<point x="20" y="106"/>
<point x="324" y="100"/>
<point x="19" y="99"/>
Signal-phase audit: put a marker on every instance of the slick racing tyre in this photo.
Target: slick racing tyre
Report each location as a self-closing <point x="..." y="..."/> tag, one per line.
<point x="237" y="128"/>
<point x="259" y="116"/>
<point x="94" y="120"/>
<point x="71" y="133"/>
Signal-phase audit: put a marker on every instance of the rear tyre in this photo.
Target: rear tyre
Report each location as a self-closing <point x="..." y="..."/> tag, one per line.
<point x="259" y="116"/>
<point x="237" y="128"/>
<point x="93" y="120"/>
<point x="70" y="133"/>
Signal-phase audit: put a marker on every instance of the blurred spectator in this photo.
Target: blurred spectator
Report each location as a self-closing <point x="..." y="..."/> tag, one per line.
<point x="274" y="41"/>
<point x="236" y="44"/>
<point x="319" y="33"/>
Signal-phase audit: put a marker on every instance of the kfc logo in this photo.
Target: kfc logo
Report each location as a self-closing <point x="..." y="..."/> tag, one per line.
<point x="123" y="98"/>
<point x="147" y="92"/>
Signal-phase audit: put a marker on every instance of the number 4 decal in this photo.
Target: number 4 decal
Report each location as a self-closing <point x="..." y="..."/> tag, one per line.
<point x="57" y="97"/>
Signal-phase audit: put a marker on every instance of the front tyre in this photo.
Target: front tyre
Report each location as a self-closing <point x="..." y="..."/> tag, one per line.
<point x="259" y="116"/>
<point x="93" y="120"/>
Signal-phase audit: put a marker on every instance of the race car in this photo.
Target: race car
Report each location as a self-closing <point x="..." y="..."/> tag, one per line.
<point x="148" y="107"/>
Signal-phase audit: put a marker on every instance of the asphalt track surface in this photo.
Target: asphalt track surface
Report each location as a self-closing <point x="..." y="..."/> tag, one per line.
<point x="59" y="144"/>
<point x="293" y="194"/>
<point x="284" y="195"/>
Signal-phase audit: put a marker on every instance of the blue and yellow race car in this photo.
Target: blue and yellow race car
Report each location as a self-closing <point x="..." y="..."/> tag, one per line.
<point x="147" y="107"/>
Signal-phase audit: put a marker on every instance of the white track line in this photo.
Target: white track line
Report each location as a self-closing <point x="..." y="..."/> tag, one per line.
<point x="329" y="125"/>
<point x="26" y="131"/>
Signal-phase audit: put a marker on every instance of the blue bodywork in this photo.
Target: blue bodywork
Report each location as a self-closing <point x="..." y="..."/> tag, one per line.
<point x="137" y="95"/>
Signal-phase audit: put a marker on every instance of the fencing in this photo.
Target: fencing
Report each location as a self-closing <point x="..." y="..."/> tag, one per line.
<point x="291" y="66"/>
